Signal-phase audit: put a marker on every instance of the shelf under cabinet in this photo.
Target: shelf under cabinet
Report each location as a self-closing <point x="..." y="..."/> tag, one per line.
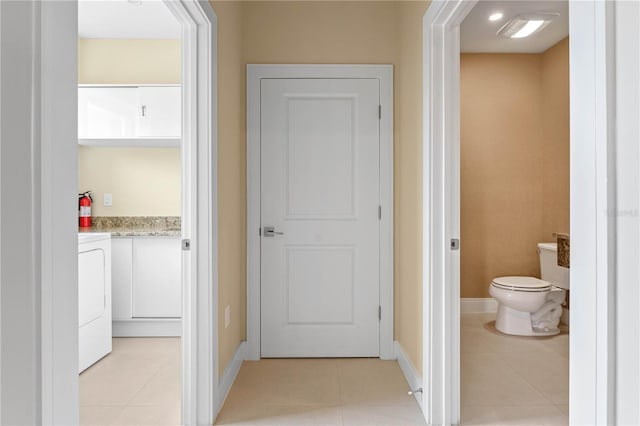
<point x="133" y="142"/>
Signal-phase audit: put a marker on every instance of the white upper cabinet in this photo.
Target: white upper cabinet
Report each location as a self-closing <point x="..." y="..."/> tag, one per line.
<point x="107" y="112"/>
<point x="159" y="108"/>
<point x="129" y="115"/>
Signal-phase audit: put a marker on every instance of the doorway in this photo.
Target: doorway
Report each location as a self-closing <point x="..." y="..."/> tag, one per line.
<point x="590" y="28"/>
<point x="514" y="200"/>
<point x="59" y="351"/>
<point x="129" y="160"/>
<point x="360" y="313"/>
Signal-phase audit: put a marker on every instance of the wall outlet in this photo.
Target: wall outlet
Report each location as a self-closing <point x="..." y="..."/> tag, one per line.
<point x="227" y="316"/>
<point x="108" y="199"/>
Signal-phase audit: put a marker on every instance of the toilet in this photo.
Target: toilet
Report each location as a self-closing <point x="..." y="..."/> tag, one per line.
<point x="528" y="306"/>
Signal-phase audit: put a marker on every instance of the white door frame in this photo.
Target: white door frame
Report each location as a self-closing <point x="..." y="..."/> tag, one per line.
<point x="441" y="210"/>
<point x="200" y="396"/>
<point x="592" y="360"/>
<point x="593" y="227"/>
<point x="56" y="67"/>
<point x="384" y="73"/>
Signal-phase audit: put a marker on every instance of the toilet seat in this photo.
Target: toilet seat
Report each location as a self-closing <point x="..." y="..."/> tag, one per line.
<point x="524" y="284"/>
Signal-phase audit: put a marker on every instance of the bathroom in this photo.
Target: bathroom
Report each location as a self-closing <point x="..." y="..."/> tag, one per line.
<point x="514" y="194"/>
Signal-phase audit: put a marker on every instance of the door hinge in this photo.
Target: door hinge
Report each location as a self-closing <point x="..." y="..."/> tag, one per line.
<point x="379" y="313"/>
<point x="379" y="112"/>
<point x="260" y="232"/>
<point x="379" y="212"/>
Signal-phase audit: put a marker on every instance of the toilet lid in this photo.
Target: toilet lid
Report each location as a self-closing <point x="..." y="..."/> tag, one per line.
<point x="521" y="284"/>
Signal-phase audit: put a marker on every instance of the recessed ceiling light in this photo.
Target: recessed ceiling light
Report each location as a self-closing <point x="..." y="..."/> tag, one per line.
<point x="524" y="25"/>
<point x="528" y="29"/>
<point x="496" y="16"/>
<point x="136" y="2"/>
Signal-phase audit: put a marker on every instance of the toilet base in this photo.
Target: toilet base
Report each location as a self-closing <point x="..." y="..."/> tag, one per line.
<point x="518" y="323"/>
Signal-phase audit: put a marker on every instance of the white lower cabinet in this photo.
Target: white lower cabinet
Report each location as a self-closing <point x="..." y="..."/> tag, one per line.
<point x="121" y="277"/>
<point x="146" y="286"/>
<point x="156" y="277"/>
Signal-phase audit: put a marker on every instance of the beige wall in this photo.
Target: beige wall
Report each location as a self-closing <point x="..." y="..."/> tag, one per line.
<point x="408" y="180"/>
<point x="232" y="196"/>
<point x="142" y="181"/>
<point x="376" y="32"/>
<point x="555" y="140"/>
<point x="514" y="130"/>
<point x="125" y="61"/>
<point x="320" y="32"/>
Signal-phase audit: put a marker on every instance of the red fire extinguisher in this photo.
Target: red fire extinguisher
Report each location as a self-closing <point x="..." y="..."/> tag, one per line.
<point x="84" y="203"/>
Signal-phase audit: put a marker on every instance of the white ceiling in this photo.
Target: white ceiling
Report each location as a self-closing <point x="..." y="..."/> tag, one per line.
<point x="126" y="19"/>
<point x="478" y="34"/>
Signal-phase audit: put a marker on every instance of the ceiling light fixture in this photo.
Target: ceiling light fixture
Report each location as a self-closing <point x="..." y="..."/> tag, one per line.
<point x="525" y="25"/>
<point x="135" y="2"/>
<point x="496" y="16"/>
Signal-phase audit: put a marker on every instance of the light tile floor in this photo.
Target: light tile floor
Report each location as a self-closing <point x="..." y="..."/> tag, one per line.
<point x="510" y="380"/>
<point x="137" y="384"/>
<point x="505" y="380"/>
<point x="358" y="391"/>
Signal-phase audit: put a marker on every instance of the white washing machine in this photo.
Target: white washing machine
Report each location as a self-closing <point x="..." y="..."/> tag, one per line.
<point x="94" y="297"/>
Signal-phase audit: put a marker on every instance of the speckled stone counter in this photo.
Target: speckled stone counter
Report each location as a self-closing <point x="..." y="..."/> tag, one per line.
<point x="136" y="226"/>
<point x="563" y="249"/>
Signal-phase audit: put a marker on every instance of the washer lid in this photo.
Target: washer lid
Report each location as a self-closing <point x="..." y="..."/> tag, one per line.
<point x="88" y="237"/>
<point x="521" y="283"/>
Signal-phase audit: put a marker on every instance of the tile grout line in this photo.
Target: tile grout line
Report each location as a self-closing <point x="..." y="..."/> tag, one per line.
<point x="151" y="377"/>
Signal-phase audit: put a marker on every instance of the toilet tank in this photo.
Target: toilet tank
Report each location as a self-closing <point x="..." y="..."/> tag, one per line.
<point x="549" y="269"/>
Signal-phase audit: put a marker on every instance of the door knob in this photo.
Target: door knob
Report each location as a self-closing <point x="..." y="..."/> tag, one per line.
<point x="269" y="231"/>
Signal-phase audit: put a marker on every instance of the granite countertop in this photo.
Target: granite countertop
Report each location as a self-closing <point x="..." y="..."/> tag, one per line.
<point x="136" y="226"/>
<point x="563" y="249"/>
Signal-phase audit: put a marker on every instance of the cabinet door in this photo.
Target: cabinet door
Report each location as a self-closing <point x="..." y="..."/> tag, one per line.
<point x="160" y="111"/>
<point x="107" y="112"/>
<point x="121" y="277"/>
<point x="156" y="277"/>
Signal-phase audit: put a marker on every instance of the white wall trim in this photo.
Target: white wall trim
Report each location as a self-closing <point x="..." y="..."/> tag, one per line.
<point x="441" y="212"/>
<point x="593" y="241"/>
<point x="411" y="375"/>
<point x="385" y="74"/>
<point x="199" y="211"/>
<point x="478" y="305"/>
<point x="55" y="239"/>
<point x="230" y="373"/>
<point x="139" y="327"/>
<point x="1" y="201"/>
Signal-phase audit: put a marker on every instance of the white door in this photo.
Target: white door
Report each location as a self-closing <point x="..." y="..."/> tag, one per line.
<point x="320" y="285"/>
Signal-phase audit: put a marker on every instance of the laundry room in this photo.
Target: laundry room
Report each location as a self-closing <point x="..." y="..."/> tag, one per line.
<point x="129" y="207"/>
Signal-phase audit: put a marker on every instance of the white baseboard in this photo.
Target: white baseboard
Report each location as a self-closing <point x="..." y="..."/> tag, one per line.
<point x="414" y="380"/>
<point x="142" y="327"/>
<point x="230" y="373"/>
<point x="478" y="305"/>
